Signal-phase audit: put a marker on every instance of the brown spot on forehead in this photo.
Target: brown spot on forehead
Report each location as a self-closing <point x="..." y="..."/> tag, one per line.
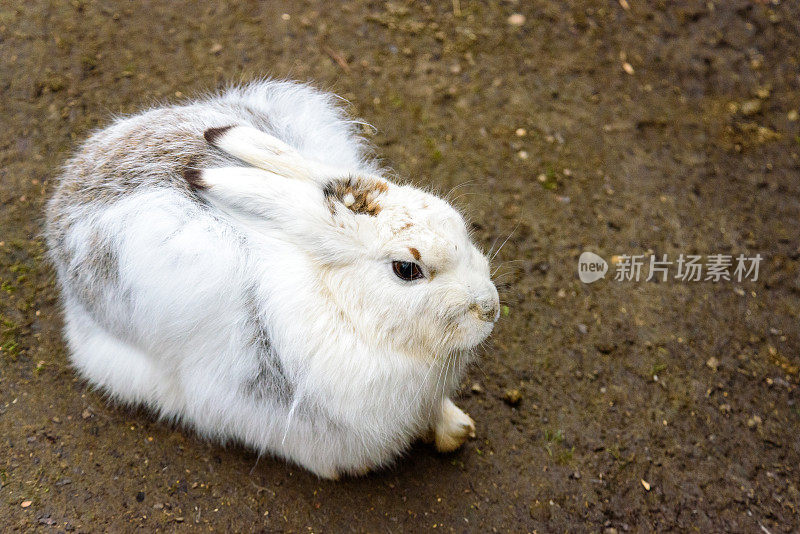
<point x="358" y="194"/>
<point x="414" y="252"/>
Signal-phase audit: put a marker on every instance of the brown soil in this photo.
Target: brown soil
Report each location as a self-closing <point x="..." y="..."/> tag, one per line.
<point x="666" y="127"/>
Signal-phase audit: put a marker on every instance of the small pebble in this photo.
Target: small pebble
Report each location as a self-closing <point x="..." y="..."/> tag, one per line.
<point x="517" y="19"/>
<point x="751" y="107"/>
<point x="753" y="421"/>
<point x="512" y="397"/>
<point x="778" y="381"/>
<point x="521" y="132"/>
<point x="712" y="363"/>
<point x="477" y="388"/>
<point x="645" y="485"/>
<point x="582" y="328"/>
<point x="763" y="92"/>
<point x="25" y="504"/>
<point x="627" y="67"/>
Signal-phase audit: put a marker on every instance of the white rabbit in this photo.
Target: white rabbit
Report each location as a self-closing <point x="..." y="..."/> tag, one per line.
<point x="238" y="265"/>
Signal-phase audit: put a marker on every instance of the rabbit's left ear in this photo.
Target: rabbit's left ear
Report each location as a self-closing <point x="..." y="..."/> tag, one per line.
<point x="357" y="193"/>
<point x="318" y="218"/>
<point x="269" y="153"/>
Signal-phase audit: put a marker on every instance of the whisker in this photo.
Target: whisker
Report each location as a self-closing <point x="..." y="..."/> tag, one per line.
<point x="436" y="386"/>
<point x="462" y="184"/>
<point x="422" y="384"/>
<point x="491" y="249"/>
<point x="503" y="264"/>
<point x="479" y="367"/>
<point x="506" y="262"/>
<point x="445" y="383"/>
<point x="504" y="243"/>
<point x="466" y="194"/>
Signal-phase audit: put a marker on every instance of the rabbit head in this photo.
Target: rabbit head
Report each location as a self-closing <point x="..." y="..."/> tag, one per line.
<point x="397" y="262"/>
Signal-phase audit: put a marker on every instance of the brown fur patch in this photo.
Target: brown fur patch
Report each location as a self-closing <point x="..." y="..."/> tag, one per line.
<point x="414" y="252"/>
<point x="192" y="177"/>
<point x="212" y="134"/>
<point x="359" y="195"/>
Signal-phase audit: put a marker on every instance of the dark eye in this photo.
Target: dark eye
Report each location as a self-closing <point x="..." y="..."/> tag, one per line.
<point x="407" y="270"/>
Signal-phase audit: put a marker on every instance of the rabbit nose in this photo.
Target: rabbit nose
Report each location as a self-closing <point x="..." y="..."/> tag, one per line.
<point x="491" y="311"/>
<point x="487" y="308"/>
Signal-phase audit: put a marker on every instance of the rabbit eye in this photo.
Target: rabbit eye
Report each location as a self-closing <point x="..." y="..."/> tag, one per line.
<point x="406" y="270"/>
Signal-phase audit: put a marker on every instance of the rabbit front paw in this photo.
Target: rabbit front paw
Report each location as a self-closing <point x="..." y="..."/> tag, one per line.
<point x="453" y="428"/>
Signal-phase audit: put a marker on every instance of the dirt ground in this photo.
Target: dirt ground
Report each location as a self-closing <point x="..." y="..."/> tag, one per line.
<point x="611" y="126"/>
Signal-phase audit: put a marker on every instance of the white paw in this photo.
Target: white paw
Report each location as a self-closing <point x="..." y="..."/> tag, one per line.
<point x="453" y="428"/>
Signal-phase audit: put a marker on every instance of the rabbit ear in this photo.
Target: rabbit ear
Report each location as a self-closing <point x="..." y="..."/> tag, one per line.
<point x="258" y="193"/>
<point x="359" y="194"/>
<point x="268" y="152"/>
<point x="263" y="200"/>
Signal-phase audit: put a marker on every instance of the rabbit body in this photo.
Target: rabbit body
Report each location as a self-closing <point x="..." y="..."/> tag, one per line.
<point x="222" y="321"/>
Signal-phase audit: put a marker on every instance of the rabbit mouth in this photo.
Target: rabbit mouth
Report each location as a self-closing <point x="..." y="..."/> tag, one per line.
<point x="472" y="330"/>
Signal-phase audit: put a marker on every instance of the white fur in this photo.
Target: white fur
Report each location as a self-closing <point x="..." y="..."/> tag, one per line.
<point x="271" y="154"/>
<point x="177" y="304"/>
